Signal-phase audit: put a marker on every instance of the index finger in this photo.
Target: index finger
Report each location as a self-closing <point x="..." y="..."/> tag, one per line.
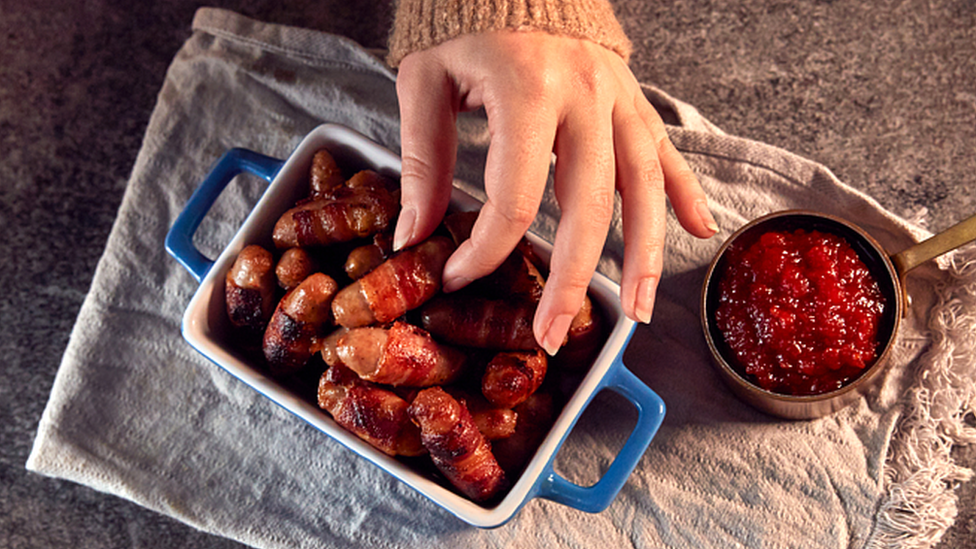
<point x="516" y="171"/>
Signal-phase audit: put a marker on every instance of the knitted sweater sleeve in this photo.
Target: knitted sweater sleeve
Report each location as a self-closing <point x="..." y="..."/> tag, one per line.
<point x="422" y="24"/>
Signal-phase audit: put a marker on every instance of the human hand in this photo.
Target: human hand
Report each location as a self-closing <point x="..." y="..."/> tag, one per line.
<point x="542" y="94"/>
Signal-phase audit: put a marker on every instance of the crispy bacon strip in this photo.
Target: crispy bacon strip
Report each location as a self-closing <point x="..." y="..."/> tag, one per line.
<point x="301" y="318"/>
<point x="455" y="444"/>
<point x="403" y="355"/>
<point x="399" y="284"/>
<point x="470" y="321"/>
<point x="511" y="377"/>
<point x="374" y="414"/>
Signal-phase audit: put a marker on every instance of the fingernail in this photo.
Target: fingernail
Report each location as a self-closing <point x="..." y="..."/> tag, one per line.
<point x="404" y="228"/>
<point x="706" y="216"/>
<point x="556" y="333"/>
<point x="455" y="283"/>
<point x="644" y="301"/>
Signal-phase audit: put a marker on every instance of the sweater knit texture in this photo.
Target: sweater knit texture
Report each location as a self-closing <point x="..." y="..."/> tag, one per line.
<point x="422" y="24"/>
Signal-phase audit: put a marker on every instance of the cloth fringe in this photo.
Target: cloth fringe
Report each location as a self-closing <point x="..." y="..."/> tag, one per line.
<point x="920" y="473"/>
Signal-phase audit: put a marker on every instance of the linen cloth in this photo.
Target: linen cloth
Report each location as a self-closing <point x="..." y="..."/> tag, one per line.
<point x="136" y="412"/>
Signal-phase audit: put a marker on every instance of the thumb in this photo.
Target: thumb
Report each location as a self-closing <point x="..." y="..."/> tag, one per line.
<point x="428" y="136"/>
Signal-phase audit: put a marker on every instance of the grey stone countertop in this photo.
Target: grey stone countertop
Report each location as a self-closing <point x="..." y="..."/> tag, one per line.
<point x="883" y="93"/>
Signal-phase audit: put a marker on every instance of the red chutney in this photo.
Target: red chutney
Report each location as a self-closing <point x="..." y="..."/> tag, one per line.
<point x="800" y="310"/>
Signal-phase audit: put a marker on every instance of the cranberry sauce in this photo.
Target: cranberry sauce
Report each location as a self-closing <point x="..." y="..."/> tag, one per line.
<point x="799" y="310"/>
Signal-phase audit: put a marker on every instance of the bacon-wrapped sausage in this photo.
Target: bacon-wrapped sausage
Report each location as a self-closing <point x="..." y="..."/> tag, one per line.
<point x="459" y="224"/>
<point x="403" y="355"/>
<point x="370" y="178"/>
<point x="512" y="376"/>
<point x="494" y="423"/>
<point x="372" y="413"/>
<point x="301" y="318"/>
<point x="535" y="417"/>
<point x="470" y="321"/>
<point x="516" y="277"/>
<point x="399" y="284"/>
<point x="369" y="256"/>
<point x="249" y="289"/>
<point x="294" y="266"/>
<point x="346" y="213"/>
<point x="325" y="175"/>
<point x="327" y="346"/>
<point x="455" y="444"/>
<point x="584" y="339"/>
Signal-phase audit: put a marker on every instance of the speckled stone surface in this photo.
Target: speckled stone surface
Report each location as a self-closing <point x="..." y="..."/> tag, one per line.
<point x="883" y="93"/>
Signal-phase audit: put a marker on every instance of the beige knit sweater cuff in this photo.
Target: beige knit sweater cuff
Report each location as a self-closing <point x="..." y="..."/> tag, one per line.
<point x="422" y="24"/>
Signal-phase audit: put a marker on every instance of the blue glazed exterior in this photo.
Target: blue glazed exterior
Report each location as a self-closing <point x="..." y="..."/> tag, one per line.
<point x="650" y="410"/>
<point x="179" y="239"/>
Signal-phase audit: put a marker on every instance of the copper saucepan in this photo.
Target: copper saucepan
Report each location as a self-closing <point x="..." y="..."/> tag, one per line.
<point x="888" y="270"/>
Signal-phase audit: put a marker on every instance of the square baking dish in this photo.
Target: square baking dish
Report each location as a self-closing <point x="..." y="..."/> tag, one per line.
<point x="206" y="328"/>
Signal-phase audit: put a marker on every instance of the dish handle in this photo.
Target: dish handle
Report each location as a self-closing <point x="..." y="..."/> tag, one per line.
<point x="179" y="240"/>
<point x="650" y="414"/>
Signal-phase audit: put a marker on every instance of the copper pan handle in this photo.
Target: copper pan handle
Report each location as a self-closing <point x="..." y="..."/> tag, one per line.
<point x="958" y="235"/>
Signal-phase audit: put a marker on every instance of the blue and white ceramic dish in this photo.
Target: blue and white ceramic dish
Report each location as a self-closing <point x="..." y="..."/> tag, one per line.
<point x="205" y="327"/>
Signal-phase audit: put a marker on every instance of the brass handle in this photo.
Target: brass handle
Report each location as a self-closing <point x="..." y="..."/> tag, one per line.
<point x="959" y="234"/>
